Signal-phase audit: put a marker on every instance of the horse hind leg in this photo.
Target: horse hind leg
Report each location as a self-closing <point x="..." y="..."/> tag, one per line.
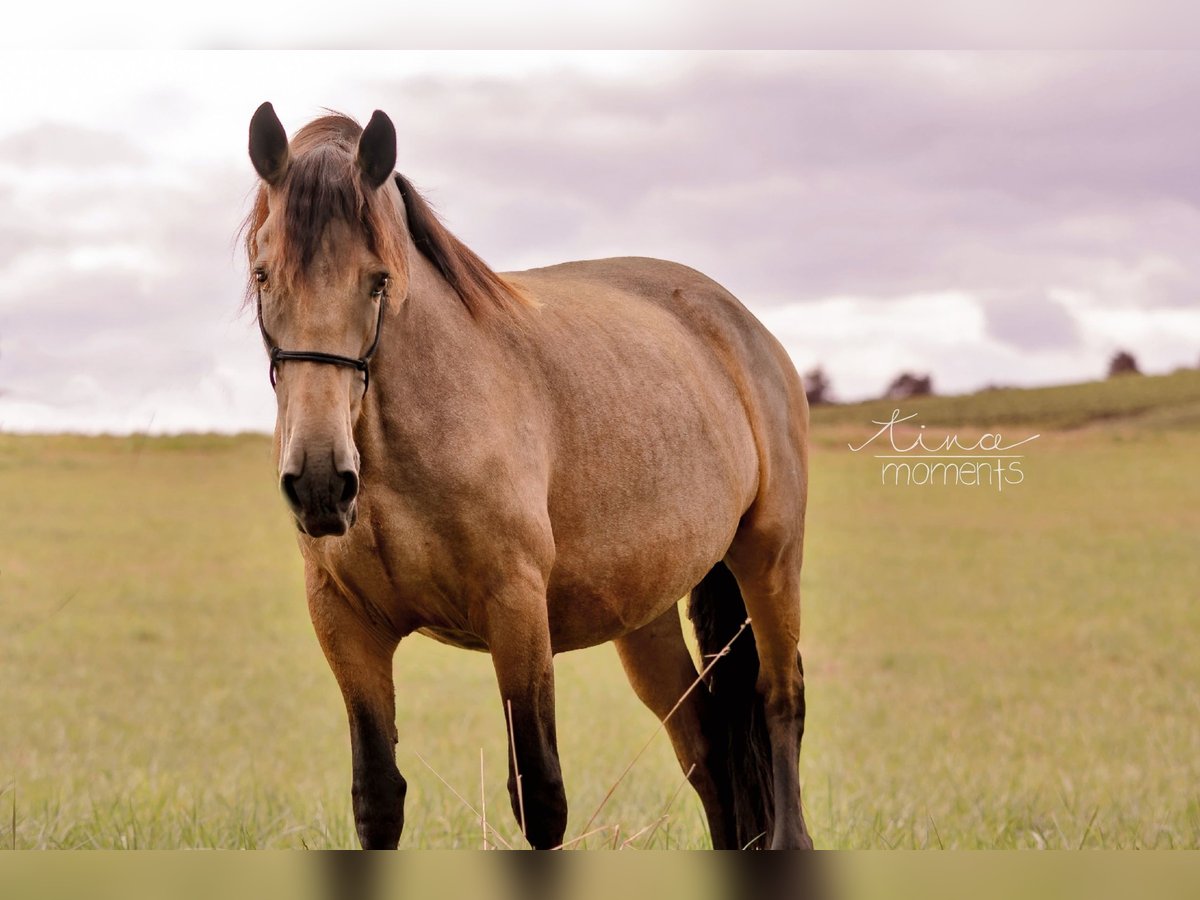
<point x="768" y="573"/>
<point x="660" y="669"/>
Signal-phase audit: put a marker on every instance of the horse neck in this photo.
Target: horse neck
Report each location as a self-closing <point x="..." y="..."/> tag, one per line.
<point x="433" y="352"/>
<point x="431" y="307"/>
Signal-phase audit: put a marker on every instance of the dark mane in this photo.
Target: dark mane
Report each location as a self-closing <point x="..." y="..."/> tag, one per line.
<point x="322" y="185"/>
<point x="475" y="283"/>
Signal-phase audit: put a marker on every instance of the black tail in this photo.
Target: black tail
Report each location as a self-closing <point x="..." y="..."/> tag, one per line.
<point x="740" y="734"/>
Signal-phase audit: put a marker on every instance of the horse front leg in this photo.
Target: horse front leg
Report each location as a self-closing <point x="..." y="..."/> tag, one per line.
<point x="517" y="631"/>
<point x="360" y="655"/>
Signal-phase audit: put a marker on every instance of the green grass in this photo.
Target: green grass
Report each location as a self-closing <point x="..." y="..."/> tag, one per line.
<point x="985" y="669"/>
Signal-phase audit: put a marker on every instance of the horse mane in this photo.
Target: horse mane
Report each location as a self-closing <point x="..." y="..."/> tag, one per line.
<point x="476" y="284"/>
<point x="322" y="185"/>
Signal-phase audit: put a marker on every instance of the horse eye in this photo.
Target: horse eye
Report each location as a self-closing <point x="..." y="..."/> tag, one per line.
<point x="380" y="285"/>
<point x="260" y="275"/>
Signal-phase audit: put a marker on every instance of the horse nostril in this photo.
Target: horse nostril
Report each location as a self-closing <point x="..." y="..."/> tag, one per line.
<point x="349" y="486"/>
<point x="288" y="485"/>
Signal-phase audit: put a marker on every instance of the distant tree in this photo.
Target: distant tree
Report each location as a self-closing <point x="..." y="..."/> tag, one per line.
<point x="1123" y="363"/>
<point x="817" y="386"/>
<point x="906" y="385"/>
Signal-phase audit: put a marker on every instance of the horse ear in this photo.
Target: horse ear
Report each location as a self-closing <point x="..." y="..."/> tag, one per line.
<point x="377" y="149"/>
<point x="268" y="145"/>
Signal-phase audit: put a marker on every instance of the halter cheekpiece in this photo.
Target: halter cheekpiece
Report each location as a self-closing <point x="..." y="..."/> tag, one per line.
<point x="361" y="363"/>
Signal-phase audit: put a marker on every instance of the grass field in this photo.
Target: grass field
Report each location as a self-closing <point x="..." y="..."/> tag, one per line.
<point x="984" y="668"/>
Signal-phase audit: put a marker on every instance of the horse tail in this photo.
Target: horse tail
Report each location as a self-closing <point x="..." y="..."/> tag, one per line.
<point x="741" y="745"/>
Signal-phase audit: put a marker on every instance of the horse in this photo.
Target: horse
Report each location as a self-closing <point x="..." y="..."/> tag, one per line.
<point x="525" y="464"/>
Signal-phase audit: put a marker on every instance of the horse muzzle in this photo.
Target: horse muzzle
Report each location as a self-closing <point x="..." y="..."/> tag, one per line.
<point x="323" y="500"/>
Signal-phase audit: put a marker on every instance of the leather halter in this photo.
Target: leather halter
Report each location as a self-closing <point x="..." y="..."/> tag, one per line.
<point x="361" y="363"/>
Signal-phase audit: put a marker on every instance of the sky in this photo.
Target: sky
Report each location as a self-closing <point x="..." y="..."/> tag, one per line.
<point x="990" y="217"/>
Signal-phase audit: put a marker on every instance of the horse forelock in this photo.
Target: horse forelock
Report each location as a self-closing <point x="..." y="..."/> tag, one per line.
<point x="323" y="185"/>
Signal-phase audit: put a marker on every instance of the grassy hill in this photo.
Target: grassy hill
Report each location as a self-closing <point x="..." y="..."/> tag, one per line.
<point x="1152" y="400"/>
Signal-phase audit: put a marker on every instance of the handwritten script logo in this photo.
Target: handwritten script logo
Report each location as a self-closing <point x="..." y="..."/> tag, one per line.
<point x="985" y="461"/>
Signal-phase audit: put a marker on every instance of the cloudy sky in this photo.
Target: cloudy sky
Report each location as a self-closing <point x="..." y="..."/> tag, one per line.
<point x="995" y="218"/>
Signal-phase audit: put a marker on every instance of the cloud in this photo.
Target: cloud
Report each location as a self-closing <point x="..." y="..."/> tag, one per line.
<point x="881" y="176"/>
<point x="1030" y="320"/>
<point x="1001" y="177"/>
<point x="118" y="301"/>
<point x="59" y="144"/>
<point x="992" y="218"/>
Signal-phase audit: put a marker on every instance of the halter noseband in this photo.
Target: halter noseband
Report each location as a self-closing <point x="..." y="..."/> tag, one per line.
<point x="362" y="363"/>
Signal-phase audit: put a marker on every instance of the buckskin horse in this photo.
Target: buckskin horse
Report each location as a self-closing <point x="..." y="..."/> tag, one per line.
<point x="529" y="463"/>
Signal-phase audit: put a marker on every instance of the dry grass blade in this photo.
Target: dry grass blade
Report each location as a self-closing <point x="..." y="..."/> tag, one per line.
<point x="937" y="834"/>
<point x="1086" y="831"/>
<point x="566" y="845"/>
<point x="637" y="834"/>
<point x="483" y="801"/>
<point x="670" y="802"/>
<point x="678" y="703"/>
<point x="762" y="835"/>
<point x="512" y="743"/>
<point x="461" y="798"/>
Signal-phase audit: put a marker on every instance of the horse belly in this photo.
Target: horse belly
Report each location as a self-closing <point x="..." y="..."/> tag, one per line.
<point x="630" y="571"/>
